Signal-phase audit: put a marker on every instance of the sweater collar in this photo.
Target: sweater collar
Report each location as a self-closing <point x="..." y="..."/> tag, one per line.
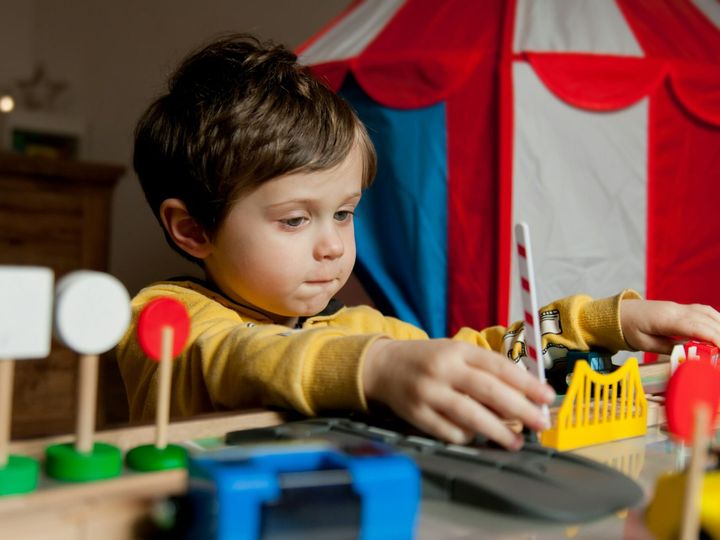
<point x="332" y="307"/>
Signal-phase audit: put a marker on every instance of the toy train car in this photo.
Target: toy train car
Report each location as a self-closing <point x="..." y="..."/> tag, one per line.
<point x="299" y="489"/>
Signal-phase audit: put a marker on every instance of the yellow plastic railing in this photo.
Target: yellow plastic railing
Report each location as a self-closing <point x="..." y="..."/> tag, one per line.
<point x="599" y="408"/>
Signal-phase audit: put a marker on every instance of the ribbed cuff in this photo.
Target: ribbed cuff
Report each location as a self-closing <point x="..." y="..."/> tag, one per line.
<point x="600" y="320"/>
<point x="336" y="380"/>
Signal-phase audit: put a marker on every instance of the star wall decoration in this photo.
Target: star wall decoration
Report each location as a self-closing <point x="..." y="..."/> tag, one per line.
<point x="40" y="91"/>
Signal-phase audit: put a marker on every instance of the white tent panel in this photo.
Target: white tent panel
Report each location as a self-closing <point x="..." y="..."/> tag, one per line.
<point x="576" y="26"/>
<point x="709" y="8"/>
<point x="353" y="33"/>
<point x="580" y="183"/>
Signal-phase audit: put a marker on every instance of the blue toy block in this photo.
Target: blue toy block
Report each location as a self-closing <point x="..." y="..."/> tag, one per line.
<point x="253" y="492"/>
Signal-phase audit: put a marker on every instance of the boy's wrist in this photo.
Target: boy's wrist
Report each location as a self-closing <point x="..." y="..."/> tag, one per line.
<point x="373" y="366"/>
<point x="601" y="321"/>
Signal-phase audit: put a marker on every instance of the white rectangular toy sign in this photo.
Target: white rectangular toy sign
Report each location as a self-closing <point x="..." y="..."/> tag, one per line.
<point x="26" y="300"/>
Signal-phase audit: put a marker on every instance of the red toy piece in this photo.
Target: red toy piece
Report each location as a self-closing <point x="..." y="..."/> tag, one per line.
<point x="692" y="383"/>
<point x="162" y="331"/>
<point x="156" y="315"/>
<point x="705" y="351"/>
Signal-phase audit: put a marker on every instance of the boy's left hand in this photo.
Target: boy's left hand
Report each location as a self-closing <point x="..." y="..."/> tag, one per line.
<point x="655" y="326"/>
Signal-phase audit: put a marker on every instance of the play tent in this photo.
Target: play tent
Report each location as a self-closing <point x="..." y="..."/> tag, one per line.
<point x="595" y="121"/>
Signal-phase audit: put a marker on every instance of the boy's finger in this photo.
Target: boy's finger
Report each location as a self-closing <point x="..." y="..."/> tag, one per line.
<point x="712" y="325"/>
<point x="505" y="400"/>
<point x="437" y="425"/>
<point x="710" y="311"/>
<point x="703" y="328"/>
<point x="659" y="344"/>
<point x="520" y="379"/>
<point x="473" y="417"/>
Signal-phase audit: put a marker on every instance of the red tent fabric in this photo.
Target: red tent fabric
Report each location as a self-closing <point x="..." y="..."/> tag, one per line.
<point x="421" y="57"/>
<point x="657" y="60"/>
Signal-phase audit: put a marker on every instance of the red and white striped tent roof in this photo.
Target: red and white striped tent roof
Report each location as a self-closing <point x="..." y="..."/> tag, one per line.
<point x="605" y="133"/>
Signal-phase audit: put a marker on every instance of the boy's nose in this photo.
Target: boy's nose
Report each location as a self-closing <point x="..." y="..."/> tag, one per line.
<point x="329" y="245"/>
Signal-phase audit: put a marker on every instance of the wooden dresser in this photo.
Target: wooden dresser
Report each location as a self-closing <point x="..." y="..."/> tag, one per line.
<point x="53" y="213"/>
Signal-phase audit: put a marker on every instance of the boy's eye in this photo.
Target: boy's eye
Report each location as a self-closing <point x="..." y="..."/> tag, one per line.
<point x="343" y="215"/>
<point x="294" y="222"/>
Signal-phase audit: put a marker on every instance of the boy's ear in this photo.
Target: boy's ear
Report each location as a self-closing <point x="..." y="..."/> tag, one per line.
<point x="184" y="229"/>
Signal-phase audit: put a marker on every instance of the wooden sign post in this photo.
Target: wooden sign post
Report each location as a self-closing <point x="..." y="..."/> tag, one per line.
<point x="25" y="332"/>
<point x="162" y="331"/>
<point x="692" y="400"/>
<point x="92" y="312"/>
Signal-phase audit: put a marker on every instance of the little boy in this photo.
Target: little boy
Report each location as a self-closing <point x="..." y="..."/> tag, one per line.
<point x="254" y="169"/>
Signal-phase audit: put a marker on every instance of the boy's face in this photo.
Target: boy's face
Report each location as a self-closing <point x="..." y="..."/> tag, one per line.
<point x="288" y="246"/>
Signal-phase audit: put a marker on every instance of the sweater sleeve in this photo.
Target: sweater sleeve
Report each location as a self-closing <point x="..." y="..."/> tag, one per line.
<point x="576" y="322"/>
<point x="367" y="320"/>
<point x="232" y="363"/>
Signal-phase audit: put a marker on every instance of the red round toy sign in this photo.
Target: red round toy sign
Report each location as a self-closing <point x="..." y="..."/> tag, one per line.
<point x="693" y="382"/>
<point x="156" y="315"/>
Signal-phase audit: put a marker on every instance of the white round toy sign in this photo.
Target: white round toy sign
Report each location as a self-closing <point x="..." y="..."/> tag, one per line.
<point x="92" y="311"/>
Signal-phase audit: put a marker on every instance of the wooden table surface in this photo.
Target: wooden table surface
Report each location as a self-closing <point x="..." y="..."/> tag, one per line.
<point x="111" y="509"/>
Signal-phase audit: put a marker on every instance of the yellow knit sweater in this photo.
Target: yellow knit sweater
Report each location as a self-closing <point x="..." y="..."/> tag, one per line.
<point x="236" y="357"/>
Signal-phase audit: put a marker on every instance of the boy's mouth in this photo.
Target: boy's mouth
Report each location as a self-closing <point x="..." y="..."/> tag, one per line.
<point x="322" y="282"/>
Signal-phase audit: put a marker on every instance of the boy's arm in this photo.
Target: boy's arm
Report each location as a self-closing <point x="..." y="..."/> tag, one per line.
<point x="307" y="370"/>
<point x="231" y="363"/>
<point x="621" y="322"/>
<point x="453" y="390"/>
<point x="367" y="320"/>
<point x="576" y="322"/>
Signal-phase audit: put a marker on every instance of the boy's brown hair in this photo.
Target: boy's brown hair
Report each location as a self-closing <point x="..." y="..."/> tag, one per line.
<point x="239" y="112"/>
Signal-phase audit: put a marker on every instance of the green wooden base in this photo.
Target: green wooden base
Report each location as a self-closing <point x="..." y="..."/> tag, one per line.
<point x="151" y="458"/>
<point x="64" y="462"/>
<point x="19" y="475"/>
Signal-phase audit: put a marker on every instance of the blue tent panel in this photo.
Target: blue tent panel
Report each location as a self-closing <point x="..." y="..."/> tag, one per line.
<point x="401" y="223"/>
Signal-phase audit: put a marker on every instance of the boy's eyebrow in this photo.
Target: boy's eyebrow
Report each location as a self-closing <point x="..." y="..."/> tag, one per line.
<point x="304" y="200"/>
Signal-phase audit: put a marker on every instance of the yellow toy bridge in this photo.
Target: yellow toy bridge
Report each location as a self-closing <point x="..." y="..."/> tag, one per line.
<point x="599" y="408"/>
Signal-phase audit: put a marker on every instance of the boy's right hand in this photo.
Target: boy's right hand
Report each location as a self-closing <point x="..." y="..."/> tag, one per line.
<point x="454" y="390"/>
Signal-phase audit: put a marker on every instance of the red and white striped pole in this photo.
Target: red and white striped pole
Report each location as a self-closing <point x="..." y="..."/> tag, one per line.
<point x="533" y="342"/>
